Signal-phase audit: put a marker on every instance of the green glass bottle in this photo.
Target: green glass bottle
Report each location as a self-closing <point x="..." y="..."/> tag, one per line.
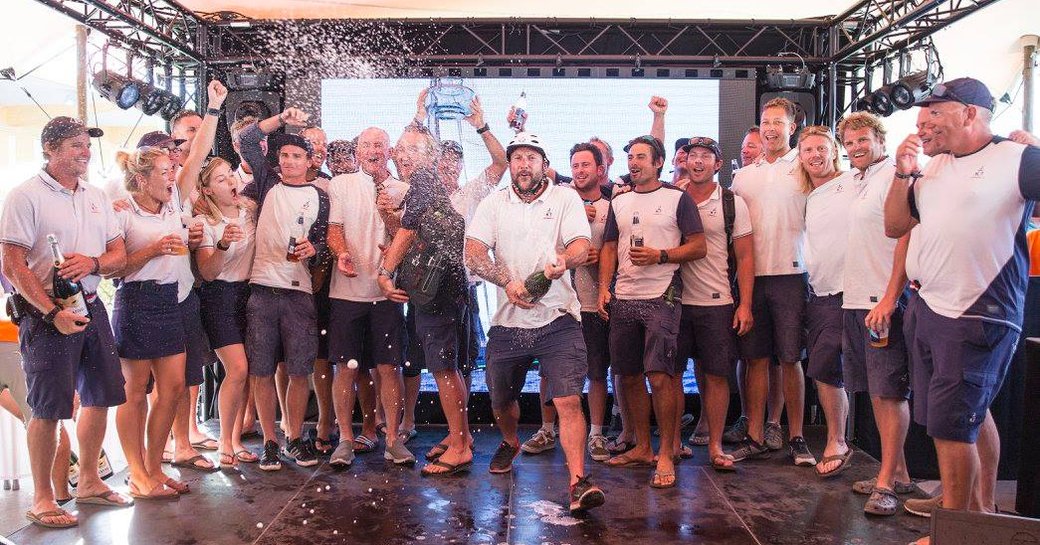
<point x="537" y="285"/>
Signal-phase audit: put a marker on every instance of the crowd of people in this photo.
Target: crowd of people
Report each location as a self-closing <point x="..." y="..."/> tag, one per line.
<point x="891" y="278"/>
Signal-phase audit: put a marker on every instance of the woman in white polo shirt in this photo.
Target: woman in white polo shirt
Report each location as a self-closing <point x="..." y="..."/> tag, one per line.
<point x="146" y="320"/>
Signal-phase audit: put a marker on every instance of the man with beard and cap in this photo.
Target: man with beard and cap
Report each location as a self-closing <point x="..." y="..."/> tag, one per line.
<point x="650" y="231"/>
<point x="292" y="221"/>
<point x="967" y="262"/>
<point x="539" y="230"/>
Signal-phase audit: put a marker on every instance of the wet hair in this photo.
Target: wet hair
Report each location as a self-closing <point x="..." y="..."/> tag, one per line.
<point x="786" y="105"/>
<point x="861" y="120"/>
<point x="597" y="155"/>
<point x="138" y="163"/>
<point x="816" y="130"/>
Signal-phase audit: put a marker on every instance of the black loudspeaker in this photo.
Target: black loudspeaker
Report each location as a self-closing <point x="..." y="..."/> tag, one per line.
<point x="804" y="102"/>
<point x="1027" y="502"/>
<point x="256" y="103"/>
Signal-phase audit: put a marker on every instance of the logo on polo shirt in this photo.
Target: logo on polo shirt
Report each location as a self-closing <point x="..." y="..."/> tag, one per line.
<point x="94" y="209"/>
<point x="713" y="212"/>
<point x="980" y="173"/>
<point x="548" y="214"/>
<point x="658" y="211"/>
<point x="838" y="189"/>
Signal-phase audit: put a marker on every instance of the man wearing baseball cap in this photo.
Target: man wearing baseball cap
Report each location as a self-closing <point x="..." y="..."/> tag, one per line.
<point x="967" y="263"/>
<point x="533" y="226"/>
<point x="64" y="347"/>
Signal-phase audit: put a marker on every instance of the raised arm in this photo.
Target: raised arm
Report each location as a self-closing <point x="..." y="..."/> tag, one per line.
<point x="493" y="173"/>
<point x="899" y="218"/>
<point x="203" y="142"/>
<point x="659" y="106"/>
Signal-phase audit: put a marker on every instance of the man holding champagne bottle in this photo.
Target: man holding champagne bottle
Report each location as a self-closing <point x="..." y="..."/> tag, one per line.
<point x="63" y="349"/>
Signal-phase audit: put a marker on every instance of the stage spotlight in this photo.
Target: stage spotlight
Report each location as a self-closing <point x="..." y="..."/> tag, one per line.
<point x="908" y="90"/>
<point x="152" y="99"/>
<point x="882" y="103"/>
<point x="119" y="89"/>
<point x="172" y="106"/>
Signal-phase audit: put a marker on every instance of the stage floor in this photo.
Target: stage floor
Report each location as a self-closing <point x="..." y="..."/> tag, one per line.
<point x="766" y="502"/>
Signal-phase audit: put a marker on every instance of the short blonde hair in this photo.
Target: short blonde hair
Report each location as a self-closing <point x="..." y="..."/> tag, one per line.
<point x="138" y="163"/>
<point x="786" y="105"/>
<point x="861" y="120"/>
<point x="815" y="130"/>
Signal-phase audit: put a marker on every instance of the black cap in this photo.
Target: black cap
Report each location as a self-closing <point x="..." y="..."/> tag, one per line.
<point x="63" y="127"/>
<point x="706" y="143"/>
<point x="681" y="143"/>
<point x="277" y="140"/>
<point x="158" y="139"/>
<point x="967" y="91"/>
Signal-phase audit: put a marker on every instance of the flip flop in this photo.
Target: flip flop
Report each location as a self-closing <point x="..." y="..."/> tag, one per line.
<point x="105" y="499"/>
<point x="685" y="452"/>
<point x="406" y="435"/>
<point x="37" y="518"/>
<point x="846" y="461"/>
<point x="228" y="461"/>
<point x="177" y="486"/>
<point x="62" y="501"/>
<point x="363" y="444"/>
<point x="627" y="462"/>
<point x="157" y="493"/>
<point x="323" y="446"/>
<point x="381" y="430"/>
<point x="246" y="456"/>
<point x="194" y="463"/>
<point x="658" y="477"/>
<point x="451" y="469"/>
<point x="723" y="468"/>
<point x="167" y="456"/>
<point x="208" y="443"/>
<point x="436" y="452"/>
<point x="616" y="447"/>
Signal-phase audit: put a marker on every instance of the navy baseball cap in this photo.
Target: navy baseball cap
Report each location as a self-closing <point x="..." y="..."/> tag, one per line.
<point x="681" y="143"/>
<point x="158" y="139"/>
<point x="276" y="141"/>
<point x="967" y="91"/>
<point x="706" y="143"/>
<point x="63" y="127"/>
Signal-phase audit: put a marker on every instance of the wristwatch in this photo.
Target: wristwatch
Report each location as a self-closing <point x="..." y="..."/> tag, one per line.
<point x="383" y="272"/>
<point x="213" y="111"/>
<point x="97" y="266"/>
<point x="222" y="248"/>
<point x="484" y="129"/>
<point x="49" y="317"/>
<point x="664" y="257"/>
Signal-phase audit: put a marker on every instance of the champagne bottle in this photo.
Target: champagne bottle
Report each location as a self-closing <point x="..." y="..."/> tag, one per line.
<point x="73" y="469"/>
<point x="537" y="285"/>
<point x="294" y="237"/>
<point x="67" y="294"/>
<point x="519" y="113"/>
<point x="104" y="466"/>
<point x="636" y="239"/>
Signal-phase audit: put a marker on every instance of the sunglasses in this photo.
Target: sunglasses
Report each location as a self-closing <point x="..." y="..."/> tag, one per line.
<point x="703" y="141"/>
<point x="942" y="91"/>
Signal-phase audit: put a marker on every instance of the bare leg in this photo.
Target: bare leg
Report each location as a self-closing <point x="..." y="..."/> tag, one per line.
<point x="131" y="419"/>
<point x="281" y="384"/>
<point x="742" y="386"/>
<point x="835" y="404"/>
<point x="715" y="396"/>
<point x="171" y="397"/>
<point x="266" y="394"/>
<point x="757" y="390"/>
<point x="794" y="396"/>
<point x="572" y="434"/>
<point x="194" y="433"/>
<point x="296" y="396"/>
<point x="985" y="490"/>
<point x="451" y="392"/>
<point x="60" y="471"/>
<point x="893" y="419"/>
<point x="231" y="396"/>
<point x="90" y="431"/>
<point x="958" y="469"/>
<point x="411" y="398"/>
<point x="638" y="401"/>
<point x="663" y="388"/>
<point x="42" y="439"/>
<point x="323" y="393"/>
<point x="775" y="403"/>
<point x="548" y="409"/>
<point x="366" y="394"/>
<point x="343" y="385"/>
<point x="391" y="393"/>
<point x="249" y="409"/>
<point x="597" y="401"/>
<point x="507" y="418"/>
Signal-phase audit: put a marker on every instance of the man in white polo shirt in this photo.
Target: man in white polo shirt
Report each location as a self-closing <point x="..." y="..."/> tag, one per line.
<point x="63" y="351"/>
<point x="874" y="300"/>
<point x="650" y="231"/>
<point x="365" y="215"/>
<point x="967" y="259"/>
<point x="776" y="199"/>
<point x="713" y="315"/>
<point x="534" y="229"/>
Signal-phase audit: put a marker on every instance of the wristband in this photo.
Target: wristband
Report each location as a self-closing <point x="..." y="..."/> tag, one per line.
<point x="483" y="129"/>
<point x="383" y="272"/>
<point x="915" y="175"/>
<point x="97" y="266"/>
<point x="222" y="248"/>
<point x="664" y="257"/>
<point x="213" y="111"/>
<point x="49" y="317"/>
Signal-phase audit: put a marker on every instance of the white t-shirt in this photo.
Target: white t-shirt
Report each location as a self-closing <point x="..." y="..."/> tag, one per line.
<point x="278" y="222"/>
<point x="523" y="238"/>
<point x="141" y="229"/>
<point x="586" y="277"/>
<point x="667" y="215"/>
<point x="238" y="258"/>
<point x="244" y="178"/>
<point x="82" y="220"/>
<point x="969" y="252"/>
<point x="868" y="264"/>
<point x="827" y="212"/>
<point x="706" y="281"/>
<point x="774" y="197"/>
<point x="353" y="205"/>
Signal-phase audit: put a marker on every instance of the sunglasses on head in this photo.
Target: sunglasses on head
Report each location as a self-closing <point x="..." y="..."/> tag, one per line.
<point x="942" y="91"/>
<point x="703" y="141"/>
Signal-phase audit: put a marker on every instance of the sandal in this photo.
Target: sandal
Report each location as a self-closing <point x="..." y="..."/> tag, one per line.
<point x="660" y="480"/>
<point x="685" y="452"/>
<point x="176" y="486"/>
<point x="323" y="446"/>
<point x="449" y="469"/>
<point x="228" y="460"/>
<point x="158" y="493"/>
<point x="623" y="460"/>
<point x="615" y="446"/>
<point x="208" y="443"/>
<point x="718" y="463"/>
<point x="197" y="462"/>
<point x="363" y="444"/>
<point x="109" y="498"/>
<point x="845" y="459"/>
<point x="381" y="429"/>
<point x="246" y="456"/>
<point x="436" y="452"/>
<point x="38" y="518"/>
<point x="406" y="435"/>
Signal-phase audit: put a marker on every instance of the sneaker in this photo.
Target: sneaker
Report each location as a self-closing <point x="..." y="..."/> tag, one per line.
<point x="736" y="432"/>
<point x="598" y="448"/>
<point x="922" y="507"/>
<point x="585" y="495"/>
<point x="541" y="441"/>
<point x="269" y="460"/>
<point x="867" y="486"/>
<point x="749" y="449"/>
<point x="343" y="456"/>
<point x="398" y="454"/>
<point x="800" y="452"/>
<point x="300" y="451"/>
<point x="774" y="437"/>
<point x="502" y="460"/>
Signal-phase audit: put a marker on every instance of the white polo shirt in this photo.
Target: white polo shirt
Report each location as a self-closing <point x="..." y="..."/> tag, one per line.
<point x="868" y="263"/>
<point x="774" y="197"/>
<point x="141" y="229"/>
<point x="353" y="205"/>
<point x="827" y="212"/>
<point x="238" y="258"/>
<point x="969" y="252"/>
<point x="706" y="281"/>
<point x="586" y="277"/>
<point x="524" y="237"/>
<point x="666" y="215"/>
<point x="282" y="206"/>
<point x="82" y="219"/>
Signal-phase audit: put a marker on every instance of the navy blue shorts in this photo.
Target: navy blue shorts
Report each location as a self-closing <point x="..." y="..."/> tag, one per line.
<point x="957" y="366"/>
<point x="224" y="312"/>
<point x="379" y="325"/>
<point x="196" y="346"/>
<point x="596" y="331"/>
<point x="56" y="365"/>
<point x="778" y="308"/>
<point x="280" y="321"/>
<point x="559" y="349"/>
<point x="706" y="334"/>
<point x="823" y="322"/>
<point x="440" y="337"/>
<point x="881" y="372"/>
<point x="147" y="321"/>
<point x="643" y="336"/>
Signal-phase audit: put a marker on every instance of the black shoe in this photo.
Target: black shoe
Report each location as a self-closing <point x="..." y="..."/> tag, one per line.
<point x="300" y="451"/>
<point x="502" y="461"/>
<point x="585" y="495"/>
<point x="750" y="449"/>
<point x="269" y="460"/>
